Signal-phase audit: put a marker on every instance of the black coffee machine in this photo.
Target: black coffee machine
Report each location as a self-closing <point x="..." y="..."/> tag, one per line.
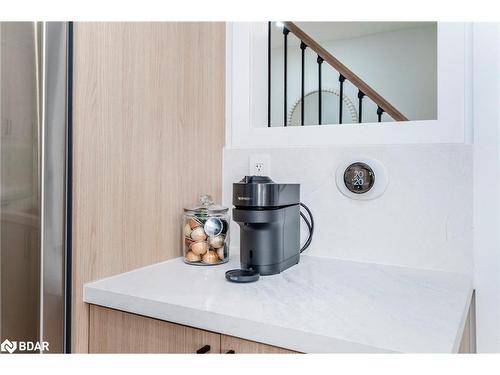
<point x="269" y="218"/>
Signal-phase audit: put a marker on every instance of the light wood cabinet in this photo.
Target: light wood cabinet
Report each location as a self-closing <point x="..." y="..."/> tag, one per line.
<point x="113" y="331"/>
<point x="240" y="346"/>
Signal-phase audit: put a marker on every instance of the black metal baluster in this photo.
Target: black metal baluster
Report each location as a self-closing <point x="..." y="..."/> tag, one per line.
<point x="269" y="74"/>
<point x="303" y="47"/>
<point x="360" y="106"/>
<point x="285" y="49"/>
<point x="379" y="114"/>
<point x="341" y="97"/>
<point x="320" y="61"/>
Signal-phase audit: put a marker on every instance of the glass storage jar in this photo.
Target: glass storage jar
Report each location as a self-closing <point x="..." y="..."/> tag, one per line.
<point x="205" y="233"/>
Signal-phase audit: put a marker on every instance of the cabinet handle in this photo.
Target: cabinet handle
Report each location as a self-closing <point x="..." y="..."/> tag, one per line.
<point x="230" y="351"/>
<point x="203" y="349"/>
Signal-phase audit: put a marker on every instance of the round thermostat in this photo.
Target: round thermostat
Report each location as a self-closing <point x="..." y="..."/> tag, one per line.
<point x="359" y="178"/>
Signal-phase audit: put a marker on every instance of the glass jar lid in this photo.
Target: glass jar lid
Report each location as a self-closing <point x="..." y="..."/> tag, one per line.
<point x="206" y="207"/>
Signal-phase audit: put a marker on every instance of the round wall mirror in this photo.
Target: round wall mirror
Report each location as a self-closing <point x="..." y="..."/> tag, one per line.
<point x="330" y="109"/>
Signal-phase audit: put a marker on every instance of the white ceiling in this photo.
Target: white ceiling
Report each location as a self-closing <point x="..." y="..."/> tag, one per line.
<point x="323" y="31"/>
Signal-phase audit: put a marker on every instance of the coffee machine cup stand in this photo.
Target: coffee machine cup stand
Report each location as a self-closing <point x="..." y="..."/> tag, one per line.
<point x="269" y="218"/>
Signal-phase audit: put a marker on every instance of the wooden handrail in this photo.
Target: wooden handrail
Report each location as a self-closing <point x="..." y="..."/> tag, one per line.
<point x="346" y="72"/>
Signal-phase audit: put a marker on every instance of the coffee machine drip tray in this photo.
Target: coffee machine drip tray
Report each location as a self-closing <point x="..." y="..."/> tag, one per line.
<point x="242" y="276"/>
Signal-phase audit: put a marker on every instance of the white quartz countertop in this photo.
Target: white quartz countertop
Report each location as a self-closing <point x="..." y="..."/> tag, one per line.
<point x="322" y="305"/>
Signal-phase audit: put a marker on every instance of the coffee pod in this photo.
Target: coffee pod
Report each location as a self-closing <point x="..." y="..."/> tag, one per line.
<point x="210" y="257"/>
<point x="217" y="241"/>
<point x="188" y="242"/>
<point x="193" y="223"/>
<point x="198" y="234"/>
<point x="192" y="257"/>
<point x="213" y="226"/>
<point x="200" y="248"/>
<point x="187" y="230"/>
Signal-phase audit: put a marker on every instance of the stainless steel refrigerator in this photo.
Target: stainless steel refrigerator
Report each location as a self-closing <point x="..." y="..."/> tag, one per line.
<point x="35" y="186"/>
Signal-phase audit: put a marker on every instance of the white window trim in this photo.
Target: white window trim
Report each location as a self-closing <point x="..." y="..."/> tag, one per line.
<point x="246" y="98"/>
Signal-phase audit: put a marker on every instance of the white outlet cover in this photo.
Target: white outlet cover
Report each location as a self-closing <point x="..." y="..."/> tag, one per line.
<point x="381" y="178"/>
<point x="265" y="159"/>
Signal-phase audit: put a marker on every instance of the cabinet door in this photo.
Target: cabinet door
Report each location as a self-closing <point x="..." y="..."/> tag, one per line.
<point x="113" y="331"/>
<point x="240" y="346"/>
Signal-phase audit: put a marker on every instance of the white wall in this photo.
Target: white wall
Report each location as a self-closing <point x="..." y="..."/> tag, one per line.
<point x="423" y="220"/>
<point x="486" y="94"/>
<point x="401" y="65"/>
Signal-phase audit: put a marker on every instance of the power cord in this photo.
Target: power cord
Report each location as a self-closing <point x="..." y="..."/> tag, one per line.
<point x="310" y="226"/>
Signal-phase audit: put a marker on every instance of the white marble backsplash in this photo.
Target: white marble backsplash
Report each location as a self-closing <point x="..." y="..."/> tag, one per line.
<point x="423" y="220"/>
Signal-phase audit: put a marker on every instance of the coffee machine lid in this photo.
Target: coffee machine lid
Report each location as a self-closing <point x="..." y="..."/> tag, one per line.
<point x="242" y="276"/>
<point x="262" y="191"/>
<point x="256" y="180"/>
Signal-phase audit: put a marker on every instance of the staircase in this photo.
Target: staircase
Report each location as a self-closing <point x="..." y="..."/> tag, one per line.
<point x="345" y="74"/>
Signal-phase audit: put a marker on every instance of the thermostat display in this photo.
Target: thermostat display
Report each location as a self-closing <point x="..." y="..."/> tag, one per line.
<point x="359" y="178"/>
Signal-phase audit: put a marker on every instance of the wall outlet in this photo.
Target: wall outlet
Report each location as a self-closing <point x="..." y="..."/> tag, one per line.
<point x="259" y="165"/>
